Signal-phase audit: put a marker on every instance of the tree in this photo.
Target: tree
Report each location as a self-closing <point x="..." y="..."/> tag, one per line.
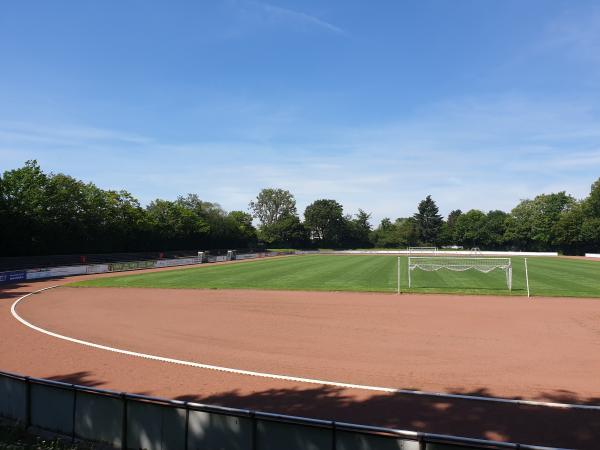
<point x="242" y="229"/>
<point x="385" y="235"/>
<point x="407" y="232"/>
<point x="286" y="232"/>
<point x="272" y="204"/>
<point x="177" y="225"/>
<point x="446" y="233"/>
<point x="24" y="202"/>
<point x="494" y="229"/>
<point x="531" y="222"/>
<point x="325" y="220"/>
<point x="386" y="224"/>
<point x="454" y="214"/>
<point x="358" y="230"/>
<point x="518" y="225"/>
<point x="567" y="230"/>
<point x="47" y="213"/>
<point x="592" y="202"/>
<point x="428" y="221"/>
<point x="590" y="234"/>
<point x="470" y="229"/>
<point x="578" y="229"/>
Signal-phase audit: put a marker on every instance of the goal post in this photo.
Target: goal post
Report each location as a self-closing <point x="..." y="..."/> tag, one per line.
<point x="398" y="276"/>
<point x="459" y="264"/>
<point x="527" y="278"/>
<point x="421" y="250"/>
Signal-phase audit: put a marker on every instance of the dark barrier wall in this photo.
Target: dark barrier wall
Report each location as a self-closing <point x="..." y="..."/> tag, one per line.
<point x="120" y="266"/>
<point x="36" y="262"/>
<point x="135" y="421"/>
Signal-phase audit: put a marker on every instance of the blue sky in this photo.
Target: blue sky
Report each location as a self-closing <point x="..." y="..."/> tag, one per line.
<point x="374" y="104"/>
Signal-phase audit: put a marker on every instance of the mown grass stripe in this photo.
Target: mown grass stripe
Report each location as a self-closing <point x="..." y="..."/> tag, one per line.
<point x="371" y="273"/>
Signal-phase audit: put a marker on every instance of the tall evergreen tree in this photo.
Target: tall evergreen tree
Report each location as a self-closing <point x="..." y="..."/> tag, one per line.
<point x="429" y="221"/>
<point x="454" y="214"/>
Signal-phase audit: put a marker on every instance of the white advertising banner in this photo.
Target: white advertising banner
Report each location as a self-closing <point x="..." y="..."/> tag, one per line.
<point x="442" y="253"/>
<point x="51" y="272"/>
<point x="176" y="262"/>
<point x="97" y="268"/>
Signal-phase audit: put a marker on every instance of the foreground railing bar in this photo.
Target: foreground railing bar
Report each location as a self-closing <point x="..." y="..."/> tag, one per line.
<point x="478" y="443"/>
<point x="14" y="376"/>
<point x="150" y="399"/>
<point x="272" y="417"/>
<point x="435" y="438"/>
<point x="257" y="415"/>
<point x="220" y="409"/>
<point x="78" y="387"/>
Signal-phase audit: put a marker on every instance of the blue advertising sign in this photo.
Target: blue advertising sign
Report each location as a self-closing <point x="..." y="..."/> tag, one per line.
<point x="13" y="276"/>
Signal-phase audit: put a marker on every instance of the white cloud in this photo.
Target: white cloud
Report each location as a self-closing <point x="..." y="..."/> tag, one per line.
<point x="287" y="14"/>
<point x="250" y="15"/>
<point x="578" y="33"/>
<point x="64" y="135"/>
<point x="485" y="153"/>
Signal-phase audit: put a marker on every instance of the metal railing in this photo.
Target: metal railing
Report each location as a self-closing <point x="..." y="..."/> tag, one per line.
<point x="137" y="421"/>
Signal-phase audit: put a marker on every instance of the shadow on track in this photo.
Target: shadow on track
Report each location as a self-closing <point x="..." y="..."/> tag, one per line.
<point x="83" y="378"/>
<point x="14" y="290"/>
<point x="478" y="419"/>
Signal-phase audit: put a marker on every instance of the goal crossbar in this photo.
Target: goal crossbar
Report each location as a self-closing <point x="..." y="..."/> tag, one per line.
<point x="460" y="264"/>
<point x="422" y="249"/>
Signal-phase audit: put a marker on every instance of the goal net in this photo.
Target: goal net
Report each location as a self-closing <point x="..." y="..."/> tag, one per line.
<point x="459" y="264"/>
<point x="417" y="250"/>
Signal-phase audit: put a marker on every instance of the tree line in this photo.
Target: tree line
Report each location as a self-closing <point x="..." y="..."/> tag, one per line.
<point x="46" y="213"/>
<point x="549" y="222"/>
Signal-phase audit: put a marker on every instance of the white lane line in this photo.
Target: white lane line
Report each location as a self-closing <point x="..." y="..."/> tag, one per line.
<point x="287" y="377"/>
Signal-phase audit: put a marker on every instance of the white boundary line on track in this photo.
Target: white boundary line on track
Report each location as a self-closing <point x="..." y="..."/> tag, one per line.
<point x="286" y="377"/>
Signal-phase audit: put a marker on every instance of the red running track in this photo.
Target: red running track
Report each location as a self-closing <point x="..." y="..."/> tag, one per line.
<point x="545" y="349"/>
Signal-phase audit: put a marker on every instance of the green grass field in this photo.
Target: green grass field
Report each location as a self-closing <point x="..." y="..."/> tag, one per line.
<point x="548" y="276"/>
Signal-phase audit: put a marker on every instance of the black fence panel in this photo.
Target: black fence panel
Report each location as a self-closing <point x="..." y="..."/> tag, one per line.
<point x="136" y="421"/>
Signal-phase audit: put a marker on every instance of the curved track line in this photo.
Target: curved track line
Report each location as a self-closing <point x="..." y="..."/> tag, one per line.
<point x="287" y="377"/>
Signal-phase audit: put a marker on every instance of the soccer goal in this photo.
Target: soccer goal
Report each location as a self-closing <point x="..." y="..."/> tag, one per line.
<point x="417" y="250"/>
<point x="459" y="264"/>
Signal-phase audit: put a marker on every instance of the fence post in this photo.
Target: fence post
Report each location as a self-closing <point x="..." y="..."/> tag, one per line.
<point x="124" y="431"/>
<point x="27" y="402"/>
<point x="187" y="424"/>
<point x="422" y="443"/>
<point x="73" y="435"/>
<point x="254" y="430"/>
<point x="333" y="435"/>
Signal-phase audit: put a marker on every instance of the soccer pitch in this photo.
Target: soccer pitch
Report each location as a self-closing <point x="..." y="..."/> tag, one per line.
<point x="368" y="273"/>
